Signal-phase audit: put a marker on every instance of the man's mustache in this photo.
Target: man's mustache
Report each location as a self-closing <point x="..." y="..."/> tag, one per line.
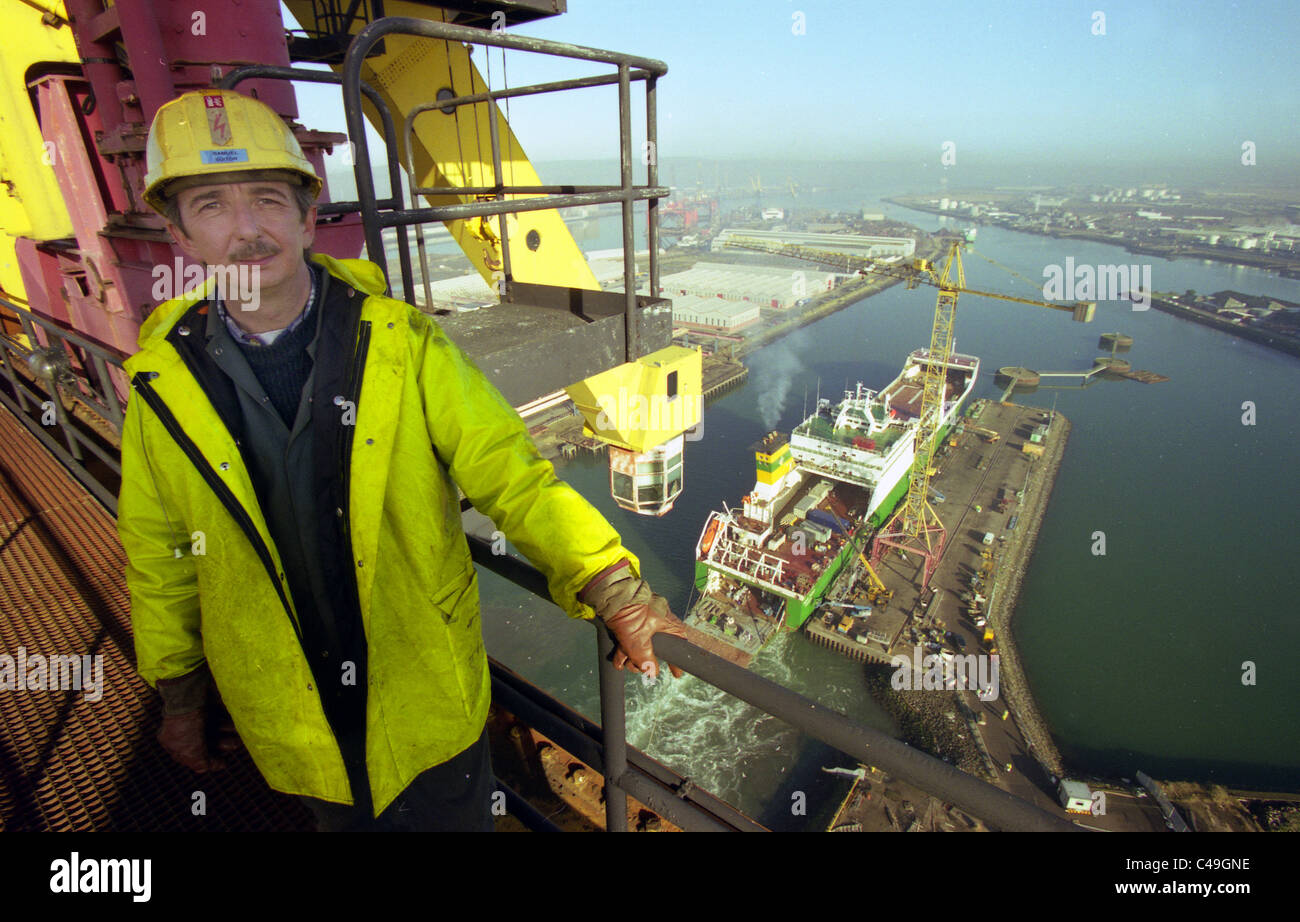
<point x="251" y="253"/>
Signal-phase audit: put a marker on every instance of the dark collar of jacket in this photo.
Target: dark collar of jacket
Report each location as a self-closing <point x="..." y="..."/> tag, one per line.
<point x="319" y="276"/>
<point x="340" y="315"/>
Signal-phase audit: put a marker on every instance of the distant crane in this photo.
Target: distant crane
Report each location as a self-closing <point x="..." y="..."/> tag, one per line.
<point x="916" y="526"/>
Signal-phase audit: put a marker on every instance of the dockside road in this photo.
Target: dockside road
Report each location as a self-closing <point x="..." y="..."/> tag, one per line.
<point x="995" y="494"/>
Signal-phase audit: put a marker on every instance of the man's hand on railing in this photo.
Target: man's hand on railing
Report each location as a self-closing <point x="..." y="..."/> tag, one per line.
<point x="635" y="614"/>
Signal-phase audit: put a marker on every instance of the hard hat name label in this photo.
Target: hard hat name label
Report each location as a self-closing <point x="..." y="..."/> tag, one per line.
<point x="236" y="155"/>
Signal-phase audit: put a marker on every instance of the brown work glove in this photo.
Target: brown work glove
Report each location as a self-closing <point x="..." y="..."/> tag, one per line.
<point x="635" y="614"/>
<point x="184" y="732"/>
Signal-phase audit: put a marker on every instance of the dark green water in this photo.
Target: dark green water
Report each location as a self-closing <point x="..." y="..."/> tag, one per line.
<point x="1135" y="657"/>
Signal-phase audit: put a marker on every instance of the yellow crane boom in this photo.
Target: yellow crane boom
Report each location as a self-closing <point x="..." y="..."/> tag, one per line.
<point x="451" y="150"/>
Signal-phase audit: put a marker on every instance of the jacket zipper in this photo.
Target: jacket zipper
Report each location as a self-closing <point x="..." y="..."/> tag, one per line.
<point x="224" y="494"/>
<point x="356" y="365"/>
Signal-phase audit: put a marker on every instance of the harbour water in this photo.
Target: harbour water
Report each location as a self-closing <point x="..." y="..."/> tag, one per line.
<point x="1169" y="653"/>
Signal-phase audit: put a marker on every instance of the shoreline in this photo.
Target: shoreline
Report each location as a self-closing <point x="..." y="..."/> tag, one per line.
<point x="845" y="296"/>
<point x="550" y="434"/>
<point x="1129" y="246"/>
<point x="1273" y="341"/>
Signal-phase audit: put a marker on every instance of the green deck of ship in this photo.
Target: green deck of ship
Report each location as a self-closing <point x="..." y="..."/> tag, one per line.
<point x="819" y="428"/>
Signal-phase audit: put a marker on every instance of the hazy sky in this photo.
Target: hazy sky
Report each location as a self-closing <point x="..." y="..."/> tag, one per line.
<point x="1003" y="81"/>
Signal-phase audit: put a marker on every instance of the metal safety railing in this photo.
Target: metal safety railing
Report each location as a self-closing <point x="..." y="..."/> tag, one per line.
<point x="630" y="69"/>
<point x="51" y="363"/>
<point x="298" y="75"/>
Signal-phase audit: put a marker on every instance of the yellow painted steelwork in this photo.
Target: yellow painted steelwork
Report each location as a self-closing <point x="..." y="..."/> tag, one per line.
<point x="31" y="204"/>
<point x="774" y="467"/>
<point x="456" y="150"/>
<point x="776" y="476"/>
<point x="641" y="404"/>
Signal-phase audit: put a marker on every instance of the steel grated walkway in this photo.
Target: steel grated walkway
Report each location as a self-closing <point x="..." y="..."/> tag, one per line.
<point x="67" y="762"/>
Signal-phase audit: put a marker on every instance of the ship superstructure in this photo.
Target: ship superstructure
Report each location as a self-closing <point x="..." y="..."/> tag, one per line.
<point x="767" y="563"/>
<point x="869" y="437"/>
<point x="816" y="495"/>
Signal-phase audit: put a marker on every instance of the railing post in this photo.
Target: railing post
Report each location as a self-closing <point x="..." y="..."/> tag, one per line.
<point x="652" y="179"/>
<point x="13" y="378"/>
<point x="613" y="723"/>
<point x="106" y="386"/>
<point x="33" y="343"/>
<point x="633" y="338"/>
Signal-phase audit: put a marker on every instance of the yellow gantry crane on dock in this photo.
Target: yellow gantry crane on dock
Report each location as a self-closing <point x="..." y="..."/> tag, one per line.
<point x="916" y="526"/>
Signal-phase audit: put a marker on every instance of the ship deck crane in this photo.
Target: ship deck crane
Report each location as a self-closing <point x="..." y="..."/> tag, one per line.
<point x="877" y="592"/>
<point x="916" y="526"/>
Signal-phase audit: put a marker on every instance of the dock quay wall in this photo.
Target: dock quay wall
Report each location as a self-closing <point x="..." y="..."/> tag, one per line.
<point x="1005" y="593"/>
<point x="729" y="378"/>
<point x="1263" y="337"/>
<point x="852" y="649"/>
<point x="849" y="293"/>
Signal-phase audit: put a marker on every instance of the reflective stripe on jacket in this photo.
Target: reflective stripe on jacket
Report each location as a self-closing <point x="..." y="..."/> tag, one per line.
<point x="425" y="417"/>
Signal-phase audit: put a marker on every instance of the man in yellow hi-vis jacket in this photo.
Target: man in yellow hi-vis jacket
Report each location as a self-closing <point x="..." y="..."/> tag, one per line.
<point x="290" y="459"/>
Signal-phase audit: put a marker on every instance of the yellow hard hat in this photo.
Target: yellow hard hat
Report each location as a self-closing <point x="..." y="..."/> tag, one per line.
<point x="210" y="132"/>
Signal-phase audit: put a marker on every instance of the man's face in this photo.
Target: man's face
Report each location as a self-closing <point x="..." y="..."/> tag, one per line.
<point x="246" y="223"/>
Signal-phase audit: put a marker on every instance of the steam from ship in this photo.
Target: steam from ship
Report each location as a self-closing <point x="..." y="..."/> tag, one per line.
<point x="775" y="375"/>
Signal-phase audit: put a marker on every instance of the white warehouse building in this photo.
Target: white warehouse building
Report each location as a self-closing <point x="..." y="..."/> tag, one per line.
<point x="766" y="286"/>
<point x="854" y="244"/>
<point x="713" y="313"/>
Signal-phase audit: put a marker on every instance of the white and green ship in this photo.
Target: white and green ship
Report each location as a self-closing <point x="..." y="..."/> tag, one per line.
<point x="818" y="494"/>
